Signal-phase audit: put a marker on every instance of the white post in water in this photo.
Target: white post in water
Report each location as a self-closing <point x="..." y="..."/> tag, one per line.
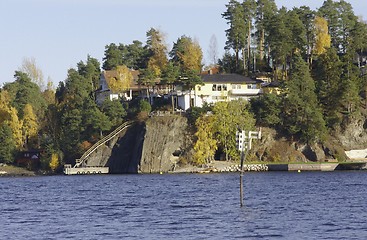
<point x="244" y="144"/>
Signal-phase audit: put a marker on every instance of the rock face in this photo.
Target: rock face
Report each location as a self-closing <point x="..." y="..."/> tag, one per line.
<point x="166" y="139"/>
<point x="354" y="135"/>
<point x="150" y="147"/>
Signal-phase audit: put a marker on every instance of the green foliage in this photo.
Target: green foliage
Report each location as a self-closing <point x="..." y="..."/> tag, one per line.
<point x="91" y="70"/>
<point x="267" y="110"/>
<point x="327" y="73"/>
<point x="301" y="114"/>
<point x="228" y="118"/>
<point x="194" y="113"/>
<point x="134" y="56"/>
<point x="7" y="146"/>
<point x="114" y="111"/>
<point x="23" y="91"/>
<point x="144" y="106"/>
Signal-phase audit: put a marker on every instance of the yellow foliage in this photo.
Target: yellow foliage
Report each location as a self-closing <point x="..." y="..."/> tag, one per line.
<point x="323" y="39"/>
<point x="54" y="162"/>
<point x="192" y="56"/>
<point x="205" y="145"/>
<point x="16" y="126"/>
<point x="30" y="125"/>
<point x="121" y="81"/>
<point x="9" y="115"/>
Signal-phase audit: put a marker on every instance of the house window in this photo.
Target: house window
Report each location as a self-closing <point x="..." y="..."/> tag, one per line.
<point x="236" y="86"/>
<point x="214" y="88"/>
<point x="224" y="87"/>
<point x="199" y="88"/>
<point x="219" y="88"/>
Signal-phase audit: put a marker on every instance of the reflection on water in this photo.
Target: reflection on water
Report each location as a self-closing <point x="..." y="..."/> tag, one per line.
<point x="278" y="205"/>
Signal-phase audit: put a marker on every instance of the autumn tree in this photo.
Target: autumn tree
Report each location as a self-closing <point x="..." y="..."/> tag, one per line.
<point x="206" y="144"/>
<point x="30" y="67"/>
<point x="323" y="39"/>
<point x="30" y="125"/>
<point x="121" y="81"/>
<point x="187" y="54"/>
<point x="157" y="51"/>
<point x="9" y="117"/>
<point x="213" y="51"/>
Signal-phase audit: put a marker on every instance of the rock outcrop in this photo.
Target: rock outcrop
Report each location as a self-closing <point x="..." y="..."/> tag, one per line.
<point x="153" y="146"/>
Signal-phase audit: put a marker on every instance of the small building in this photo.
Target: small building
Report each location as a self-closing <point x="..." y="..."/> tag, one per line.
<point x="29" y="159"/>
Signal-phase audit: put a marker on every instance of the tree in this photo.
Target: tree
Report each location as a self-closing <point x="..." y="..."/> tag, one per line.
<point x="228" y="118"/>
<point x="205" y="145"/>
<point x="170" y="75"/>
<point x="91" y="70"/>
<point x="157" y="51"/>
<point x="29" y="66"/>
<point x="9" y="117"/>
<point x="112" y="57"/>
<point x="267" y="110"/>
<point x="187" y="54"/>
<point x="302" y="116"/>
<point x="307" y="16"/>
<point x="280" y="40"/>
<point x="114" y="111"/>
<point x="23" y="91"/>
<point x="327" y="73"/>
<point x="213" y="50"/>
<point x="265" y="11"/>
<point x="323" y="39"/>
<point x="121" y="81"/>
<point x="7" y="146"/>
<point x="227" y="63"/>
<point x="236" y="33"/>
<point x="30" y="124"/>
<point x="54" y="162"/>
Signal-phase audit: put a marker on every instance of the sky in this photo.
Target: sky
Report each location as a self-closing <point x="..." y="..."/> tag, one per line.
<point x="60" y="33"/>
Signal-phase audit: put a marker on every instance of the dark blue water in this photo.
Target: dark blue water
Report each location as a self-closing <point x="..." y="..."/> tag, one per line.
<point x="278" y="205"/>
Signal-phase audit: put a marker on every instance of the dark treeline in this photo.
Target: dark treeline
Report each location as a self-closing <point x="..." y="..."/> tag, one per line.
<point x="315" y="57"/>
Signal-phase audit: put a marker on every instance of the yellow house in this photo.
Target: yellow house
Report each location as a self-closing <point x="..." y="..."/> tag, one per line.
<point x="220" y="87"/>
<point x="226" y="87"/>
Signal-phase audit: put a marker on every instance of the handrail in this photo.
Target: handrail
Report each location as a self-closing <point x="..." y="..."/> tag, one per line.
<point x="101" y="142"/>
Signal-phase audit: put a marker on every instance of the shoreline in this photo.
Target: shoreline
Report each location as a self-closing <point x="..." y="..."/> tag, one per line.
<point x="224" y="167"/>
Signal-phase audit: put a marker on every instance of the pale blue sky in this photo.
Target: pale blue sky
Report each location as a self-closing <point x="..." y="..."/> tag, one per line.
<point x="60" y="33"/>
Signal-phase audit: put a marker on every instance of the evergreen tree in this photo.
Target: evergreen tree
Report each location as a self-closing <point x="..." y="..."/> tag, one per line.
<point x="7" y="146"/>
<point x="302" y="116"/>
<point x="327" y="74"/>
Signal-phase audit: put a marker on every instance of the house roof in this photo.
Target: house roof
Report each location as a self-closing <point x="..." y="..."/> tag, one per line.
<point x="228" y="78"/>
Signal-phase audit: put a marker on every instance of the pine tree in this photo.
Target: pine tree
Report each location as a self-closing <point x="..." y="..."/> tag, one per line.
<point x="302" y="116"/>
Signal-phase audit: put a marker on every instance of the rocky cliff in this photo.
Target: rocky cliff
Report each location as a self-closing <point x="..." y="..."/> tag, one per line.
<point x="153" y="146"/>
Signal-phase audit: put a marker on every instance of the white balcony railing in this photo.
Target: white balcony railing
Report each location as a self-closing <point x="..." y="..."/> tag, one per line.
<point x="246" y="91"/>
